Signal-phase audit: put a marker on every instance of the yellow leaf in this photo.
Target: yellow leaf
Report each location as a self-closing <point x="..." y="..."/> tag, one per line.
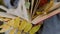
<point x="16" y="22"/>
<point x="5" y="27"/>
<point x="22" y="25"/>
<point x="12" y="31"/>
<point x="28" y="27"/>
<point x="18" y="32"/>
<point x="34" y="29"/>
<point x="11" y="22"/>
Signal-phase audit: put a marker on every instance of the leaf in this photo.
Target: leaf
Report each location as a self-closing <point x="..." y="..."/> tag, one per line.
<point x="27" y="4"/>
<point x="12" y="31"/>
<point x="4" y="27"/>
<point x="18" y="32"/>
<point x="34" y="29"/>
<point x="28" y="27"/>
<point x="22" y="25"/>
<point x="16" y="22"/>
<point x="11" y="23"/>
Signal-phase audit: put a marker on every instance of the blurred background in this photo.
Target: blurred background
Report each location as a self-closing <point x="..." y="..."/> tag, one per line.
<point x="13" y="3"/>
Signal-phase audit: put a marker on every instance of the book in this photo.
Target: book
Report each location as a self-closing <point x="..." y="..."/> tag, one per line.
<point x="30" y="10"/>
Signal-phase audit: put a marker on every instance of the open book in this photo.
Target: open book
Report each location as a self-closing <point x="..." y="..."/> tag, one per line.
<point x="33" y="11"/>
